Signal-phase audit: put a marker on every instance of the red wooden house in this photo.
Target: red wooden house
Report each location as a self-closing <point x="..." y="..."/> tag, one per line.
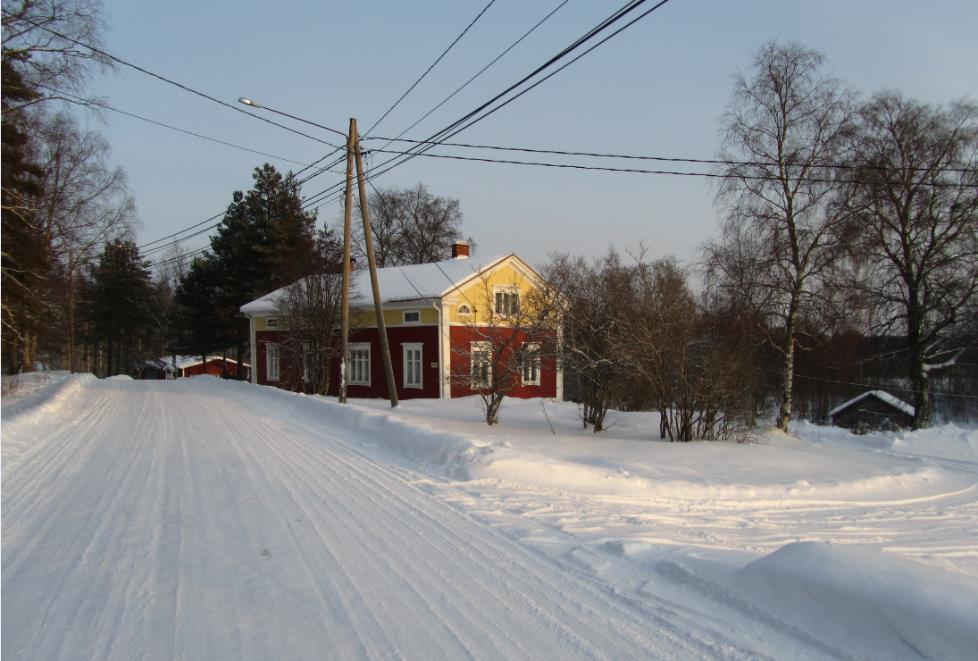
<point x="436" y="318"/>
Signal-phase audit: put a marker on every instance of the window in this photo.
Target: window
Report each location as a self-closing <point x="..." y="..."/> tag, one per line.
<point x="412" y="316"/>
<point x="412" y="365"/>
<point x="531" y="365"/>
<point x="507" y="299"/>
<point x="358" y="365"/>
<point x="271" y="322"/>
<point x="464" y="311"/>
<point x="271" y="362"/>
<point x="481" y="358"/>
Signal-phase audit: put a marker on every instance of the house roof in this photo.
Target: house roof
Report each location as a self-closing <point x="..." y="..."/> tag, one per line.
<point x="879" y="394"/>
<point x="397" y="283"/>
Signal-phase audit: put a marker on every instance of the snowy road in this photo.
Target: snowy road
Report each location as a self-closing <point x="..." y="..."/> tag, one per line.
<point x="166" y="520"/>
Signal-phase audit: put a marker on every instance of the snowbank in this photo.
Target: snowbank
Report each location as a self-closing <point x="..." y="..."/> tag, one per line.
<point x="39" y="394"/>
<point x="871" y="604"/>
<point x="47" y="394"/>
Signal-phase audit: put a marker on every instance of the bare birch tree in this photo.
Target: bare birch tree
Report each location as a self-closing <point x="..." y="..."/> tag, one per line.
<point x="915" y="199"/>
<point x="785" y="129"/>
<point x="85" y="204"/>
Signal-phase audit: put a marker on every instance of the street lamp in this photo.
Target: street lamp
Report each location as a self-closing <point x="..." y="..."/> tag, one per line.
<point x="254" y="104"/>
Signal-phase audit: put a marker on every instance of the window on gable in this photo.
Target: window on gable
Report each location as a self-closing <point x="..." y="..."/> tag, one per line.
<point x="464" y="311"/>
<point x="412" y="316"/>
<point x="531" y="365"/>
<point x="507" y="299"/>
<point x="271" y="322"/>
<point x="480" y="354"/>
<point x="358" y="364"/>
<point x="272" y="363"/>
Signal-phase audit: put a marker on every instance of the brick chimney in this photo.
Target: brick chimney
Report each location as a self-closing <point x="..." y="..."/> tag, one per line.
<point x="460" y="250"/>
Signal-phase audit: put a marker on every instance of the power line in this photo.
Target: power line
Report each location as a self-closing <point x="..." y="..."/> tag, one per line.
<point x="177" y="258"/>
<point x="623" y="11"/>
<point x="92" y="102"/>
<point x="456" y="91"/>
<point x="667" y="159"/>
<point x="208" y="220"/>
<point x="433" y="64"/>
<point x="177" y="233"/>
<point x="164" y="246"/>
<point x="599" y="168"/>
<point x="590" y="34"/>
<point x="870" y="386"/>
<point x="478" y="73"/>
<point x="460" y="124"/>
<point x="181" y="86"/>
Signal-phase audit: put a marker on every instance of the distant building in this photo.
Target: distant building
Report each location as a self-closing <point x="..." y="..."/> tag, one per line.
<point x="165" y="368"/>
<point x="873" y="410"/>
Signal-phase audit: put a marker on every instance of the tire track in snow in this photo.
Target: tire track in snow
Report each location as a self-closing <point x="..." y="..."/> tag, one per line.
<point x="69" y="602"/>
<point x="287" y="532"/>
<point x="419" y="565"/>
<point x="365" y="542"/>
<point x="640" y="623"/>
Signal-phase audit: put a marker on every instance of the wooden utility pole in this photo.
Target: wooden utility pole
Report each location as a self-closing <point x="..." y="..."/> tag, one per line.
<point x="374" y="285"/>
<point x="347" y="226"/>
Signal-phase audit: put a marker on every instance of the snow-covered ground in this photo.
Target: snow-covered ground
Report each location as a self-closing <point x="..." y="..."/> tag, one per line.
<point x="209" y="519"/>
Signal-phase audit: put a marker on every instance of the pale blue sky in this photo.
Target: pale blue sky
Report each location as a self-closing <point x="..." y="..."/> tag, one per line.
<point x="659" y="88"/>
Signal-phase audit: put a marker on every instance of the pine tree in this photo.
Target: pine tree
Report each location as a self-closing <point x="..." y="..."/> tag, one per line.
<point x="122" y="308"/>
<point x="264" y="242"/>
<point x="199" y="330"/>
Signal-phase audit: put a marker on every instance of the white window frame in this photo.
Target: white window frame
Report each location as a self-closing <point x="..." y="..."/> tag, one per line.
<point x="476" y="348"/>
<point x="507" y="295"/>
<point x="273" y="358"/>
<point x="531" y="359"/>
<point x="407" y="322"/>
<point x="271" y="322"/>
<point x="464" y="311"/>
<point x="406" y="348"/>
<point x="358" y="347"/>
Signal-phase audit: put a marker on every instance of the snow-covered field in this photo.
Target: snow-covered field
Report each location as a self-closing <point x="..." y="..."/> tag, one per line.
<point x="210" y="519"/>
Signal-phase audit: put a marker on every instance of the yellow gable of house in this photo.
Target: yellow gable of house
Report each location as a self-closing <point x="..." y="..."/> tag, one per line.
<point x="472" y="301"/>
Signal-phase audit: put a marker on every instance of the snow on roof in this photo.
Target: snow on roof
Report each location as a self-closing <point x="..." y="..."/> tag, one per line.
<point x="397" y="283"/>
<point x="879" y="394"/>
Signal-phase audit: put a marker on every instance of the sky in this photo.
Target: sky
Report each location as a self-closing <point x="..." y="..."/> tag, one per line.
<point x="659" y="88"/>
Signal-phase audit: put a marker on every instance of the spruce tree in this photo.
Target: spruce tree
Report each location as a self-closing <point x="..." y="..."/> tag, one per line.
<point x="265" y="241"/>
<point x="123" y="308"/>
